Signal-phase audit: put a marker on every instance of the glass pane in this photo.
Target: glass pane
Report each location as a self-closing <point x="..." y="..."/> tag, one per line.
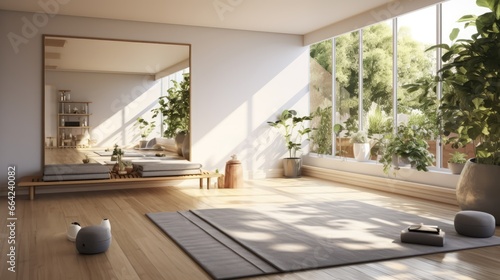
<point x="346" y="90"/>
<point x="321" y="97"/>
<point x="417" y="99"/>
<point x="377" y="83"/>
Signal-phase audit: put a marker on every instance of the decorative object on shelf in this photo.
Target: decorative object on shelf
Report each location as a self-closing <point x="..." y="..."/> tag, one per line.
<point x="293" y="130"/>
<point x="74" y="120"/>
<point x="64" y="94"/>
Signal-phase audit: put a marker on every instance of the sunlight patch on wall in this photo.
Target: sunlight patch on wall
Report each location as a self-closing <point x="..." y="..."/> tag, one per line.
<point x="121" y="128"/>
<point x="244" y="130"/>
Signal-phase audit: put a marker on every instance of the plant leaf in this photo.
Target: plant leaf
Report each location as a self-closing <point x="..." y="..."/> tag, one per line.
<point x="454" y="34"/>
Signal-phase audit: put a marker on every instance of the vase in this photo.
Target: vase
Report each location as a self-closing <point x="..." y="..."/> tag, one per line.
<point x="456" y="168"/>
<point x="361" y="151"/>
<point x="186" y="146"/>
<point x="477" y="188"/>
<point x="179" y="140"/>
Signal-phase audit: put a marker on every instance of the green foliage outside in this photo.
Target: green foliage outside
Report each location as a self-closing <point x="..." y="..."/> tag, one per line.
<point x="413" y="64"/>
<point x="175" y="108"/>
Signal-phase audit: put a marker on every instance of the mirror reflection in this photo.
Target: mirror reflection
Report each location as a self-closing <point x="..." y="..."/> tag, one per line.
<point x="100" y="94"/>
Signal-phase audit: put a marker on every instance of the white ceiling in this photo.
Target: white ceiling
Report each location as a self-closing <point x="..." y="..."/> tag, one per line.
<point x="281" y="16"/>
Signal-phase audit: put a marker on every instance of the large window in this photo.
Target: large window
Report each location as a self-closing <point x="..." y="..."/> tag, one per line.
<point x="361" y="81"/>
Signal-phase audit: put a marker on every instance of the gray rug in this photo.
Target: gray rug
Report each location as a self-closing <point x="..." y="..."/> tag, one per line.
<point x="233" y="243"/>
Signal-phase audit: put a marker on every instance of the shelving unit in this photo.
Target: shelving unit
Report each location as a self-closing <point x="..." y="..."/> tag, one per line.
<point x="73" y="128"/>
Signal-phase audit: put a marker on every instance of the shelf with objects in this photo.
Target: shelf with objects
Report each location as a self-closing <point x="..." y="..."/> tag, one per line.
<point x="73" y="119"/>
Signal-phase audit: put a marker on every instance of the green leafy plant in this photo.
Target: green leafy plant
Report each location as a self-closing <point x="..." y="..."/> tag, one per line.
<point x="321" y="135"/>
<point x="359" y="137"/>
<point x="175" y="108"/>
<point x="146" y="127"/>
<point x="470" y="105"/>
<point x="377" y="120"/>
<point x="293" y="130"/>
<point x="408" y="143"/>
<point x="458" y="157"/>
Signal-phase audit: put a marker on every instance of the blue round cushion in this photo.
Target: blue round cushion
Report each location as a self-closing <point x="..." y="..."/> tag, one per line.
<point x="93" y="240"/>
<point x="475" y="224"/>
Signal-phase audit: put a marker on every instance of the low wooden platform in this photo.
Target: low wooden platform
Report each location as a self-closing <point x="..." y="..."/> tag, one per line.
<point x="33" y="182"/>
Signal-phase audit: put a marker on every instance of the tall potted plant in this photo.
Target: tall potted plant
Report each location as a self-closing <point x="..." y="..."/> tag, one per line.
<point x="175" y="109"/>
<point x="470" y="107"/>
<point x="293" y="130"/>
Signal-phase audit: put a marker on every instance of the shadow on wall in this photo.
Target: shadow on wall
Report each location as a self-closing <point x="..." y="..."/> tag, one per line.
<point x="264" y="148"/>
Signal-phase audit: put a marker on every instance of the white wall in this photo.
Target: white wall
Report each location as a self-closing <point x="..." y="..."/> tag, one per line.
<point x="240" y="80"/>
<point x="117" y="101"/>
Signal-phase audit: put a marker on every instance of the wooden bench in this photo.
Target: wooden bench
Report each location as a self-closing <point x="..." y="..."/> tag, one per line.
<point x="36" y="181"/>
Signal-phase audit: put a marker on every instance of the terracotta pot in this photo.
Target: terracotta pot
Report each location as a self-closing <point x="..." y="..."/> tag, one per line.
<point x="478" y="188"/>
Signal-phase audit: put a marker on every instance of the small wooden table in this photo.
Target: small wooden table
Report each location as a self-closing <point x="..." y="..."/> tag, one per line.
<point x="36" y="181"/>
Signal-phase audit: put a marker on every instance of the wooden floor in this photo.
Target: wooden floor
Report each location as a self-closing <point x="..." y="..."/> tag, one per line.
<point x="139" y="250"/>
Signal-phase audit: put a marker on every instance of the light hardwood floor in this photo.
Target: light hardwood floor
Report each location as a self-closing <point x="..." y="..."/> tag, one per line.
<point x="139" y="250"/>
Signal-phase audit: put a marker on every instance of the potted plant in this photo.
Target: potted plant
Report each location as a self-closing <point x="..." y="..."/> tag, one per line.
<point x="470" y="107"/>
<point x="361" y="146"/>
<point x="293" y="130"/>
<point x="406" y="146"/>
<point x="146" y="127"/>
<point x="175" y="109"/>
<point x="114" y="154"/>
<point x="457" y="162"/>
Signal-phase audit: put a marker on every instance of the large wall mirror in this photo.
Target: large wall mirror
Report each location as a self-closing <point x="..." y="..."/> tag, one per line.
<point x="96" y="89"/>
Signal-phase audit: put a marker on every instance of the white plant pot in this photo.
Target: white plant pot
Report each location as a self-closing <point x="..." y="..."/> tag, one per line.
<point x="361" y="151"/>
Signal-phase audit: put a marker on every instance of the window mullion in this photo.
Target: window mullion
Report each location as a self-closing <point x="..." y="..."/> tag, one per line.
<point x="439" y="88"/>
<point x="395" y="74"/>
<point x="360" y="81"/>
<point x="334" y="98"/>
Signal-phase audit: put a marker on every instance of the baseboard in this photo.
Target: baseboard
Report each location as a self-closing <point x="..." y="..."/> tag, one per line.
<point x="428" y="192"/>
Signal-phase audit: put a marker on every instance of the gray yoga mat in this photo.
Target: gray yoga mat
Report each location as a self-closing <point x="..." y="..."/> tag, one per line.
<point x="300" y="236"/>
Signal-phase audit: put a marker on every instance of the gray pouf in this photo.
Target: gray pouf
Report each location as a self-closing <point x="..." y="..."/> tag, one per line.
<point x="93" y="240"/>
<point x="475" y="224"/>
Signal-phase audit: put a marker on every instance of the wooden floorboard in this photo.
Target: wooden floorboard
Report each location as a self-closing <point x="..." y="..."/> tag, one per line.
<point x="139" y="250"/>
